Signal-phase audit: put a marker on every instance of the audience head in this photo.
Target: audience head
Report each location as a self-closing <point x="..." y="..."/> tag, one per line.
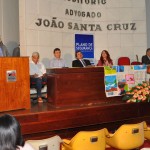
<point x="57" y="53"/>
<point x="105" y="56"/>
<point x="148" y="52"/>
<point x="10" y="133"/>
<point x="35" y="57"/>
<point x="78" y="55"/>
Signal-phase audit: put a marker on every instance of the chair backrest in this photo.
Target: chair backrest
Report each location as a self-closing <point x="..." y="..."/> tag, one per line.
<point x="52" y="143"/>
<point x="88" y="140"/>
<point x="146" y="131"/>
<point x="124" y="61"/>
<point x="145" y="125"/>
<point x="136" y="63"/>
<point x="128" y="136"/>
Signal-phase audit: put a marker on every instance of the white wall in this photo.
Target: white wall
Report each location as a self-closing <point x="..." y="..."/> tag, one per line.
<point x="117" y="42"/>
<point x="9" y="23"/>
<point x="1" y="14"/>
<point x="148" y="21"/>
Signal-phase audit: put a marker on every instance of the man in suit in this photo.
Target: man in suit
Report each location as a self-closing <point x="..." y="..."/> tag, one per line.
<point x="146" y="58"/>
<point x="3" y="50"/>
<point x="80" y="62"/>
<point x="16" y="51"/>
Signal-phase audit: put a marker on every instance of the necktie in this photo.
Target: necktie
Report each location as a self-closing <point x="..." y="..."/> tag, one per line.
<point x="83" y="62"/>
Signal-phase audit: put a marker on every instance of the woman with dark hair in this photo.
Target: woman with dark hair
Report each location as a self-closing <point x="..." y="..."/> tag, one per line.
<point x="10" y="134"/>
<point x="105" y="59"/>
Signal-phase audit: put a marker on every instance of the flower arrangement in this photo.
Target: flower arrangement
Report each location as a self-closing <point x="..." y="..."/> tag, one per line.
<point x="139" y="93"/>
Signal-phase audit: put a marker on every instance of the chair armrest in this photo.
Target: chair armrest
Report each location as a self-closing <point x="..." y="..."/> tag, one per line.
<point x="107" y="134"/>
<point x="66" y="141"/>
<point x="67" y="147"/>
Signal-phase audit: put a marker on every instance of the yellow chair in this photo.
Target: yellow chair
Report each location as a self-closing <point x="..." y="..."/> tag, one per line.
<point x="128" y="136"/>
<point x="86" y="140"/>
<point x="146" y="131"/>
<point x="52" y="143"/>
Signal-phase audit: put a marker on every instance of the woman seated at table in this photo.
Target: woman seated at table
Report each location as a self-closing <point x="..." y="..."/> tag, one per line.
<point x="105" y="59"/>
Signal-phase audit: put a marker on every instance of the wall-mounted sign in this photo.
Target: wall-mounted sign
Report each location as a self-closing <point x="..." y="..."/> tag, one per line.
<point x="11" y="76"/>
<point x="85" y="44"/>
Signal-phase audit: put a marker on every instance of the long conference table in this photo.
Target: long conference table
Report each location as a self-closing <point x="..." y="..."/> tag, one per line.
<point x="76" y="86"/>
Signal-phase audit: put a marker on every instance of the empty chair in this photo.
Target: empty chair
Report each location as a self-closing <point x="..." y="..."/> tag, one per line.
<point x="128" y="136"/>
<point x="124" y="61"/>
<point x="146" y="131"/>
<point x="136" y="63"/>
<point x="52" y="143"/>
<point x="86" y="140"/>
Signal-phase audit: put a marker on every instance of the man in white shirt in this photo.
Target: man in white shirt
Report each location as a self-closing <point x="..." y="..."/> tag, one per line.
<point x="37" y="74"/>
<point x="57" y="62"/>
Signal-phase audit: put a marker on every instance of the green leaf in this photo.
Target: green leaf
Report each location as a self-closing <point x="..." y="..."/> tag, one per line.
<point x="127" y="97"/>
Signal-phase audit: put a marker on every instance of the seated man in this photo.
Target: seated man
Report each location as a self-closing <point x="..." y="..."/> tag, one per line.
<point x="57" y="61"/>
<point x="80" y="62"/>
<point x="146" y="58"/>
<point x="3" y="50"/>
<point x="16" y="51"/>
<point x="37" y="74"/>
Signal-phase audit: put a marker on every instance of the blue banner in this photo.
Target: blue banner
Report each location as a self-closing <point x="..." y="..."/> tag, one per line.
<point x="85" y="44"/>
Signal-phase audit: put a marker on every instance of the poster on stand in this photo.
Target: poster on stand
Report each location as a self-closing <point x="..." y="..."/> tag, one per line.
<point x="119" y="79"/>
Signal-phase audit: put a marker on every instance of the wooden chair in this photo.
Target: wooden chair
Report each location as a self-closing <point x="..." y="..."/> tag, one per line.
<point x="53" y="143"/>
<point x="86" y="140"/>
<point x="128" y="136"/>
